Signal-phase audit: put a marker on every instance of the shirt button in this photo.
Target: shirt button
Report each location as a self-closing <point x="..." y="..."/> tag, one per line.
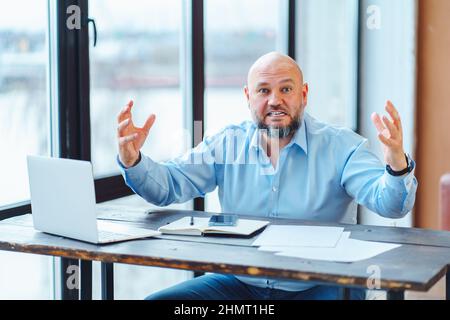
<point x="274" y="189"/>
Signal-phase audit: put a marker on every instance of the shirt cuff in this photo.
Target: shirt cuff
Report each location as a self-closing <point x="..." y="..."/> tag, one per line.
<point x="139" y="170"/>
<point x="405" y="180"/>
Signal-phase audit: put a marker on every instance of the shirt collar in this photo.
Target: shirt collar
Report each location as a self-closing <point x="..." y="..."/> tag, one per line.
<point x="299" y="138"/>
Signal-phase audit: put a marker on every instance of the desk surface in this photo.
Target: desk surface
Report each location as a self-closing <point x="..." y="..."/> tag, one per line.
<point x="417" y="265"/>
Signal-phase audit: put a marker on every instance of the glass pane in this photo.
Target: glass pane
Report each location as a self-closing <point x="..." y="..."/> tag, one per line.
<point x="24" y="128"/>
<point x="237" y="32"/>
<point x="137" y="282"/>
<point x="23" y="93"/>
<point x="25" y="276"/>
<point x="136" y="57"/>
<point x="327" y="53"/>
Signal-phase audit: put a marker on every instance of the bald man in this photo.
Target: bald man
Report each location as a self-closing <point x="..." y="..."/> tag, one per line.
<point x="283" y="164"/>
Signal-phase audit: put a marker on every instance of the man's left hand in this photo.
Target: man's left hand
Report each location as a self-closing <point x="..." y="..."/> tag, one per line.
<point x="390" y="134"/>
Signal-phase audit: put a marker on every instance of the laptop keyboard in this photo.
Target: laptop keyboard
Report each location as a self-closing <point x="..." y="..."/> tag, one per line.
<point x="110" y="232"/>
<point x="106" y="235"/>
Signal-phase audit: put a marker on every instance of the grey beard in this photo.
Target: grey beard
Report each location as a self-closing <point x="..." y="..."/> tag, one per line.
<point x="280" y="132"/>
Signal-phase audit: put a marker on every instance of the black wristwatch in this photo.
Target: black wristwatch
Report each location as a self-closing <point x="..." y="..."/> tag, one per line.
<point x="408" y="169"/>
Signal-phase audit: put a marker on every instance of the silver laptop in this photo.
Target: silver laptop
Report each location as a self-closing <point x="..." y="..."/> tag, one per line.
<point x="63" y="202"/>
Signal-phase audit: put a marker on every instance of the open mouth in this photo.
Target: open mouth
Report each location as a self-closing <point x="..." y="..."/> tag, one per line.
<point x="277" y="114"/>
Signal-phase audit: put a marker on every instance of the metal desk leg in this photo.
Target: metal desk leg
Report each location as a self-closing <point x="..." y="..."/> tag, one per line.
<point x="395" y="295"/>
<point x="107" y="275"/>
<point x="69" y="279"/>
<point x="345" y="293"/>
<point x="198" y="274"/>
<point x="85" y="280"/>
<point x="447" y="285"/>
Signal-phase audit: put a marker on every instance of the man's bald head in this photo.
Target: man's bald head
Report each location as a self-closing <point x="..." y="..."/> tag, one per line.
<point x="276" y="94"/>
<point x="271" y="62"/>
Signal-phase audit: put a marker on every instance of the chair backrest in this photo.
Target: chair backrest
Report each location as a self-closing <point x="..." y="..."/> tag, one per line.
<point x="444" y="202"/>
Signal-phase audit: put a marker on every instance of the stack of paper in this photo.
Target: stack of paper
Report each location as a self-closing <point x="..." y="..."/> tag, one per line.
<point x="323" y="243"/>
<point x="305" y="236"/>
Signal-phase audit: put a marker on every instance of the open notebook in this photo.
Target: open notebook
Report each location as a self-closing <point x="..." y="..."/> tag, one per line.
<point x="182" y="226"/>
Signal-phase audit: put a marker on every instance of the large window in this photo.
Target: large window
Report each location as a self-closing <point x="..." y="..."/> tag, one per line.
<point x="327" y="51"/>
<point x="24" y="129"/>
<point x="237" y="32"/>
<point x="137" y="57"/>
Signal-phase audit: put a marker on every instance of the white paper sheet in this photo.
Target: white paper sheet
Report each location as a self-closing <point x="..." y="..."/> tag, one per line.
<point x="305" y="236"/>
<point x="344" y="235"/>
<point x="347" y="250"/>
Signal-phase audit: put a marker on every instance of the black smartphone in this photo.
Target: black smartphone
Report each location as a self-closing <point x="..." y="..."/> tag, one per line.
<point x="223" y="220"/>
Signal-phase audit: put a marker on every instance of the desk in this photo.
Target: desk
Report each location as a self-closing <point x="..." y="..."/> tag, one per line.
<point x="417" y="265"/>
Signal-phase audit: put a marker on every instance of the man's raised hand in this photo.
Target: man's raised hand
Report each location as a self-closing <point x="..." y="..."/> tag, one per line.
<point x="390" y="133"/>
<point x="131" y="138"/>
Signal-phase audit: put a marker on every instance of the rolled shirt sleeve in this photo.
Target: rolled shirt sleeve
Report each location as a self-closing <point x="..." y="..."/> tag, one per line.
<point x="182" y="179"/>
<point x="365" y="179"/>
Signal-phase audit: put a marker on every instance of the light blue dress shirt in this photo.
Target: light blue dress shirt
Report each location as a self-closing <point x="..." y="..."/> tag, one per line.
<point x="321" y="175"/>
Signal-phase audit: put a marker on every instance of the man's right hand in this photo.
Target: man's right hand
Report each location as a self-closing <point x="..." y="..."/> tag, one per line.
<point x="131" y="138"/>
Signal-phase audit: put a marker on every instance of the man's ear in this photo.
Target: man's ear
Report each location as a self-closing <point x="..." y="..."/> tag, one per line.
<point x="247" y="95"/>
<point x="305" y="90"/>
